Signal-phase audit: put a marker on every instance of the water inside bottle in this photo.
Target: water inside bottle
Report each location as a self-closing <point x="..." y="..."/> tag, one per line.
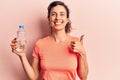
<point x="21" y="46"/>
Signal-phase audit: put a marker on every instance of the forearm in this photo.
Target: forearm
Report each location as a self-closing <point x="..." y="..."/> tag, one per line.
<point x="82" y="67"/>
<point x="27" y="67"/>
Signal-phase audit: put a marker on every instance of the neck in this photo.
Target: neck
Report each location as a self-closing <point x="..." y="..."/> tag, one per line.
<point x="59" y="36"/>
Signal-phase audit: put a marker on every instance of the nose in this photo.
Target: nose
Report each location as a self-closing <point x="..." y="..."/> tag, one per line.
<point x="57" y="17"/>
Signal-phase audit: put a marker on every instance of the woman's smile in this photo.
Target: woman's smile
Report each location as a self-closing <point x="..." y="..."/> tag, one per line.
<point x="58" y="22"/>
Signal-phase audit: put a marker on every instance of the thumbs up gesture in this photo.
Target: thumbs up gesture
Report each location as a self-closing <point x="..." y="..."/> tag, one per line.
<point x="77" y="46"/>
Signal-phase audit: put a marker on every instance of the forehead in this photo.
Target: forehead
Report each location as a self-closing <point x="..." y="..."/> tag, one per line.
<point x="58" y="8"/>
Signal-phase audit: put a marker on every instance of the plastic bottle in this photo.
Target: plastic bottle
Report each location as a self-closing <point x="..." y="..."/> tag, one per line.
<point x="21" y="38"/>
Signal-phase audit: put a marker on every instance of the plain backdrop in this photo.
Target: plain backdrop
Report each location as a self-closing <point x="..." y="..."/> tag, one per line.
<point x="98" y="20"/>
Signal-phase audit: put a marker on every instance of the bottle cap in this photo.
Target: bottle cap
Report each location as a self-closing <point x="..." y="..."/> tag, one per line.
<point x="21" y="26"/>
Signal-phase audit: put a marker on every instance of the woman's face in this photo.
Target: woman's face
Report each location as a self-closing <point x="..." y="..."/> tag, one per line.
<point x="58" y="18"/>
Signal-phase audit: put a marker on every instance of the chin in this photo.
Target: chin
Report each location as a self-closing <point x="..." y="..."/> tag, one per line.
<point x="58" y="29"/>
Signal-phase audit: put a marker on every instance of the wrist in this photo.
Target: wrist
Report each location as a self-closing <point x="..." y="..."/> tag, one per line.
<point x="81" y="55"/>
<point x="22" y="55"/>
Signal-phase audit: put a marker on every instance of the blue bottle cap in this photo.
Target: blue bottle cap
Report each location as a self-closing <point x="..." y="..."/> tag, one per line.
<point x="21" y="26"/>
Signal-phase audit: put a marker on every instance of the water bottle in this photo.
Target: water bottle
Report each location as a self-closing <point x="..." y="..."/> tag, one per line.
<point x="21" y="39"/>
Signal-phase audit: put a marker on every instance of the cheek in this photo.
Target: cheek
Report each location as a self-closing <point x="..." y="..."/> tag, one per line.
<point x="50" y="19"/>
<point x="51" y="23"/>
<point x="66" y="21"/>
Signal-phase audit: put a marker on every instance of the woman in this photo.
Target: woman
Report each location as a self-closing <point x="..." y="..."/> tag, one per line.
<point x="59" y="56"/>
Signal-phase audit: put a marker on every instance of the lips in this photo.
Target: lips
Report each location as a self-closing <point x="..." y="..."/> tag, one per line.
<point x="58" y="22"/>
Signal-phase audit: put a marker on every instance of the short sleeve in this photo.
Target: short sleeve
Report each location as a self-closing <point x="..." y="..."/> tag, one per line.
<point x="35" y="51"/>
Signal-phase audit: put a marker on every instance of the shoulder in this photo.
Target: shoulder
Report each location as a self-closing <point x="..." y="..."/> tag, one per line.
<point x="43" y="40"/>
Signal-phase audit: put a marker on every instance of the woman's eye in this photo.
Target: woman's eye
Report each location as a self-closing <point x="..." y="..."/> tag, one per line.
<point x="62" y="14"/>
<point x="53" y="14"/>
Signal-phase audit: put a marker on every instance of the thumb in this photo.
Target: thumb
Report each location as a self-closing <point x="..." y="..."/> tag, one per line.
<point x="81" y="39"/>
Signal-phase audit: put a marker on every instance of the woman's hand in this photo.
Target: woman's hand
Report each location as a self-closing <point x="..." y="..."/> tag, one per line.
<point x="77" y="46"/>
<point x="15" y="48"/>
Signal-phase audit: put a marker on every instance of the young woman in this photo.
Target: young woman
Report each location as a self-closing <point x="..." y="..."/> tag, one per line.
<point x="59" y="56"/>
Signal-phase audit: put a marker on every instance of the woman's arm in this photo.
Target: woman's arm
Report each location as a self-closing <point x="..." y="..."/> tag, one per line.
<point x="82" y="69"/>
<point x="32" y="71"/>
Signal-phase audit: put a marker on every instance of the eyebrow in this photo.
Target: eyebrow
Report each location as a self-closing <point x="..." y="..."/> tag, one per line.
<point x="55" y="12"/>
<point x="62" y="12"/>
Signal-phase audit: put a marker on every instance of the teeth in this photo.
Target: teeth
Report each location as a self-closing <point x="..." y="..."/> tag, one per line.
<point x="58" y="23"/>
